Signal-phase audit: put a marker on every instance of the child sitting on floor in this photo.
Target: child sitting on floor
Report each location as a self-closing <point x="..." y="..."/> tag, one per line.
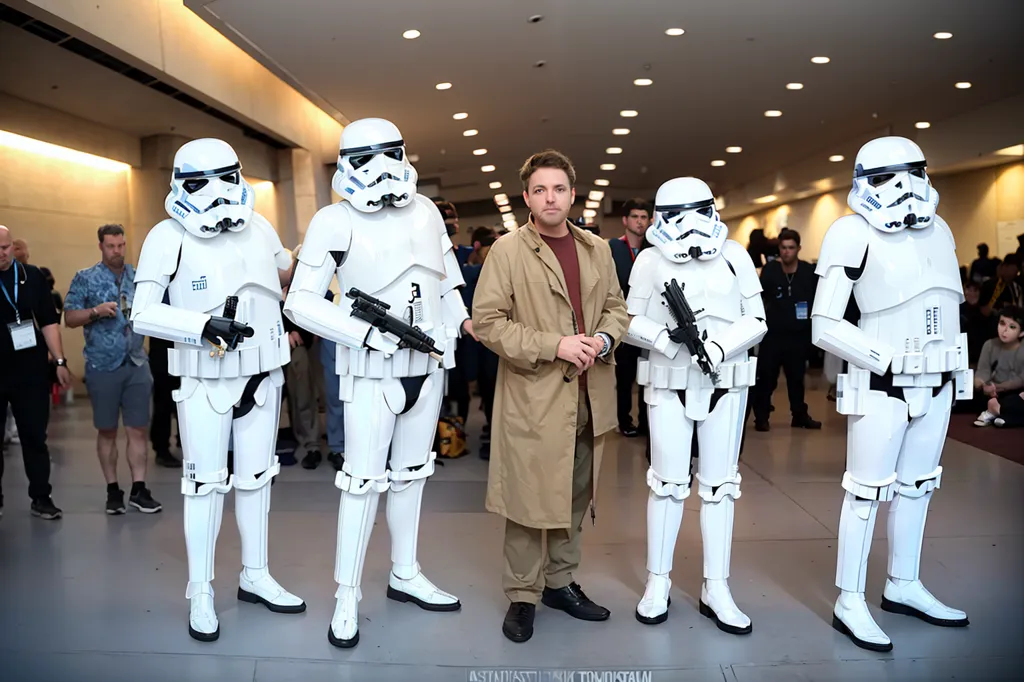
<point x="1000" y="372"/>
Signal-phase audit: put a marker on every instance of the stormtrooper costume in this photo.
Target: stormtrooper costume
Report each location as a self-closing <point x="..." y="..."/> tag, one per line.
<point x="723" y="290"/>
<point x="391" y="243"/>
<point x="907" y="364"/>
<point x="214" y="246"/>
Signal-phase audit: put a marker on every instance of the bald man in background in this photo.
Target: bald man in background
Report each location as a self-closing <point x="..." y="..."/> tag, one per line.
<point x="19" y="249"/>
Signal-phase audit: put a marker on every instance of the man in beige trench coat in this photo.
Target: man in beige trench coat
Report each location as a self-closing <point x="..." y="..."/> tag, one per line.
<point x="548" y="303"/>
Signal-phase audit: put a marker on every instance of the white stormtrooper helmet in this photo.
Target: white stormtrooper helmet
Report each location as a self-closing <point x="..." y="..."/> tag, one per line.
<point x="686" y="221"/>
<point x="373" y="169"/>
<point x="891" y="189"/>
<point x="208" y="193"/>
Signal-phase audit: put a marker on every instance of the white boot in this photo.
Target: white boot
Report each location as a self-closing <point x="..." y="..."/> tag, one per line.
<point x="202" y="619"/>
<point x="904" y="593"/>
<point x="664" y="516"/>
<point x="255" y="584"/>
<point x="344" y="629"/>
<point x="407" y="583"/>
<point x="716" y="602"/>
<point x="851" y="615"/>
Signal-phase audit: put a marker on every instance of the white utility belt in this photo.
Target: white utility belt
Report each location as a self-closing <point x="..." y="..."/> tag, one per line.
<point x="374" y="364"/>
<point x="730" y="375"/>
<point x="932" y="361"/>
<point x="207" y="363"/>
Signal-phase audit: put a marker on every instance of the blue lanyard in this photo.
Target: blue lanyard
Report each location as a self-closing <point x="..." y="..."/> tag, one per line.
<point x="14" y="303"/>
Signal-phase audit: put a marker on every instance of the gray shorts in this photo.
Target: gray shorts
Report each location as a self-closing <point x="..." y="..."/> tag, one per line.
<point x="124" y="392"/>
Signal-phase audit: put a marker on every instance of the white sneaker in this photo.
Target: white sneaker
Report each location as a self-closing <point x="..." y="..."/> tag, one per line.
<point x="852" y="618"/>
<point x="984" y="419"/>
<point x="258" y="587"/>
<point x="344" y="629"/>
<point x="653" y="608"/>
<point x="422" y="593"/>
<point x="202" y="619"/>
<point x="911" y="598"/>
<point x="717" y="604"/>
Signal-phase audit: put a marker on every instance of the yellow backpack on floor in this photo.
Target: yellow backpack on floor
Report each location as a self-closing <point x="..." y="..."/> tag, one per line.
<point x="451" y="437"/>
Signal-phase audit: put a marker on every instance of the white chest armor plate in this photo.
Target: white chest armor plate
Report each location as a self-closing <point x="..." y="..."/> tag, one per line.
<point x="395" y="256"/>
<point x="713" y="293"/>
<point x="232" y="264"/>
<point x="909" y="295"/>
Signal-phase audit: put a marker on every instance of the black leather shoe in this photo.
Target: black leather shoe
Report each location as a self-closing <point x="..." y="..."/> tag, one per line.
<point x="804" y="421"/>
<point x="312" y="459"/>
<point x="518" y="623"/>
<point x="573" y="601"/>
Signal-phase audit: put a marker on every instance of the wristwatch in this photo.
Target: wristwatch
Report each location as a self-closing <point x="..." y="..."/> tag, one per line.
<point x="61" y="362"/>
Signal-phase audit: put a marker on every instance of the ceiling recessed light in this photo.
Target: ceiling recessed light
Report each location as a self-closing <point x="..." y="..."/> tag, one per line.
<point x="773" y="113"/>
<point x="643" y="82"/>
<point x="593" y="204"/>
<point x="460" y="116"/>
<point x="601" y="182"/>
<point x="589" y="213"/>
<point x="836" y="158"/>
<point x="963" y="85"/>
<point x="504" y="208"/>
<point x="718" y="163"/>
<point x="766" y="199"/>
<point x="414" y="158"/>
<point x="495" y="185"/>
<point x="628" y="113"/>
<point x="820" y="60"/>
<point x="487" y="169"/>
<point x="470" y="133"/>
<point x="479" y="152"/>
<point x="501" y="199"/>
<point x="620" y="131"/>
<point x="607" y="166"/>
<point x="595" y="195"/>
<point x="921" y="125"/>
<point x="734" y="150"/>
<point x="674" y="32"/>
<point x="411" y="34"/>
<point x="443" y="86"/>
<point x="943" y="35"/>
<point x="794" y="86"/>
<point x="613" y="150"/>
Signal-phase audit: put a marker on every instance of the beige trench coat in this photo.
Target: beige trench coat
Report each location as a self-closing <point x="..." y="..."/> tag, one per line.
<point x="521" y="310"/>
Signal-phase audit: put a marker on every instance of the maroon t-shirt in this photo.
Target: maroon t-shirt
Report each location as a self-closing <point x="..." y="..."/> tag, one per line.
<point x="565" y="252"/>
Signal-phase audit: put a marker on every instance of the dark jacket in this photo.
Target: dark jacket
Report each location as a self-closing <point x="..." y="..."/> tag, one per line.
<point x="623" y="259"/>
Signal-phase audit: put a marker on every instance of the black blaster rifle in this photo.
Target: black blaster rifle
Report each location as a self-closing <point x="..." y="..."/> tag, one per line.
<point x="375" y="311"/>
<point x="686" y="332"/>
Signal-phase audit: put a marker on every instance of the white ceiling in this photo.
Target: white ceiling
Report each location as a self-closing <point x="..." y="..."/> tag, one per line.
<point x="711" y="85"/>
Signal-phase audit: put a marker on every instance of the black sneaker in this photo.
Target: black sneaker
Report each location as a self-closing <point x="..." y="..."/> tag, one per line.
<point x="115" y="503"/>
<point x="167" y="460"/>
<point x="804" y="421"/>
<point x="336" y="459"/>
<point x="46" y="509"/>
<point x="312" y="459"/>
<point x="144" y="502"/>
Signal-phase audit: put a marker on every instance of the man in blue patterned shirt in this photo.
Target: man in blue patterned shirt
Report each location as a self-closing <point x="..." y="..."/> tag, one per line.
<point x="117" y="372"/>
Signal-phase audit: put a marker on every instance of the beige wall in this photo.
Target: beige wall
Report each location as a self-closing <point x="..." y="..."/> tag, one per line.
<point x="57" y="207"/>
<point x="972" y="203"/>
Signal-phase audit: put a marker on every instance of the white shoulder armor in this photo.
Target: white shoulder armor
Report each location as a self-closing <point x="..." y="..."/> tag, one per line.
<point x="329" y="231"/>
<point x="281" y="257"/>
<point x="160" y="251"/>
<point x="641" y="281"/>
<point x="743" y="268"/>
<point x="845" y="244"/>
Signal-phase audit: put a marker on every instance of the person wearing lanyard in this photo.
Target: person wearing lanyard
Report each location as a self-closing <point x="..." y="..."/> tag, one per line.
<point x="636" y="218"/>
<point x="29" y="329"/>
<point x="117" y="370"/>
<point x="788" y="286"/>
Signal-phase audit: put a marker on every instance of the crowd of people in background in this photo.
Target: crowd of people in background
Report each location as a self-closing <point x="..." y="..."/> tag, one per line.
<point x="133" y="388"/>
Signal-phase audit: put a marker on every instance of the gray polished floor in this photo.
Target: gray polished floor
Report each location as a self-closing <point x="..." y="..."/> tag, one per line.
<point x="92" y="597"/>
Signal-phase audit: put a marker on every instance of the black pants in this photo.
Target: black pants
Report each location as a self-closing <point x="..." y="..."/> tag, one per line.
<point x="626" y="358"/>
<point x="27" y="391"/>
<point x="163" y="401"/>
<point x="791" y="356"/>
<point x="486" y="379"/>
<point x="458" y="390"/>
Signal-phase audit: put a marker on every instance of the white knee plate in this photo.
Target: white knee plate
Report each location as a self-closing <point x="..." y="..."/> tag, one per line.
<point x="403" y="478"/>
<point x="879" y="491"/>
<point x="921" y="486"/>
<point x="253" y="483"/>
<point x="716" y="491"/>
<point x="348" y="483"/>
<point x="197" y="484"/>
<point x="663" y="487"/>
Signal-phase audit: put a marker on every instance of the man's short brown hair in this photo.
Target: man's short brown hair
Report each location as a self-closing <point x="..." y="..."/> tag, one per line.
<point x="547" y="159"/>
